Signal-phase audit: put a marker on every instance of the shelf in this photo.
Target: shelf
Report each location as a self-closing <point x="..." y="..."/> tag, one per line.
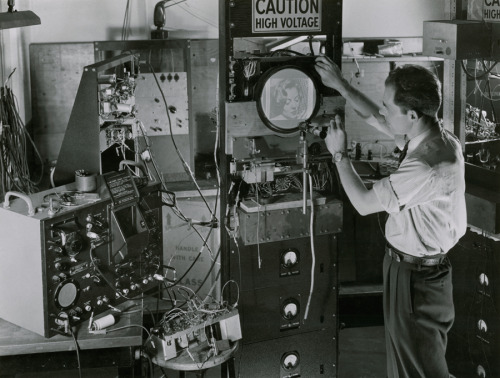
<point x="403" y="58"/>
<point x="360" y="289"/>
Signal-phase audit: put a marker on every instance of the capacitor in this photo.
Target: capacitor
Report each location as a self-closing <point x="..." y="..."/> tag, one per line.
<point x="103" y="322"/>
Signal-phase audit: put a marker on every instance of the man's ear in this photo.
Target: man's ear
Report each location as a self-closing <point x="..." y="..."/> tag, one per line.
<point x="412" y="115"/>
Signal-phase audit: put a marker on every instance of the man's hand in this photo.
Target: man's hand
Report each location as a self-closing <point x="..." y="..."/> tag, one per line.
<point x="330" y="73"/>
<point x="336" y="138"/>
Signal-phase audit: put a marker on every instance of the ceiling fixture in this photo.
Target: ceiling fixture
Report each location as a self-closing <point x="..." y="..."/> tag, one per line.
<point x="17" y="19"/>
<point x="160" y="18"/>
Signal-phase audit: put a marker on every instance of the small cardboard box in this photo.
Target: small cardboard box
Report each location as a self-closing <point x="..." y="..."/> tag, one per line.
<point x="182" y="244"/>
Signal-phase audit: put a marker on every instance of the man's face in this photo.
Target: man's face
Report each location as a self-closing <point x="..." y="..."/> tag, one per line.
<point x="398" y="121"/>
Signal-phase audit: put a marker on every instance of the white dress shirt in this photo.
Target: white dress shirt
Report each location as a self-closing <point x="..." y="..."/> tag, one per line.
<point x="425" y="197"/>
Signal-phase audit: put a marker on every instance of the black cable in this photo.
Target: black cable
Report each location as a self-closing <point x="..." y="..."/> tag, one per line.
<point x="92" y="261"/>
<point x="471" y="76"/>
<point x="158" y="300"/>
<point x="493" y="113"/>
<point x="150" y="364"/>
<point x="309" y="39"/>
<point x="177" y="211"/>
<point x="209" y="270"/>
<point x="14" y="138"/>
<point x="186" y="166"/>
<point x="480" y="112"/>
<point x="77" y="349"/>
<point x="199" y="286"/>
<point x="126" y="21"/>
<point x="286" y="52"/>
<point x="163" y="372"/>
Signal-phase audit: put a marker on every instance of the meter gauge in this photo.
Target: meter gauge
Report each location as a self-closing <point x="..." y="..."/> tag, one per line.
<point x="290" y="310"/>
<point x="289" y="262"/>
<point x="290" y="360"/>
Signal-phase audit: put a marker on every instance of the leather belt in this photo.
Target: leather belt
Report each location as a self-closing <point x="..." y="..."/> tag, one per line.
<point x="419" y="261"/>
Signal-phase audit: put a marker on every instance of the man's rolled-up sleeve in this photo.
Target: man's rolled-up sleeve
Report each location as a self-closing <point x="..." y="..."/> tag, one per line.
<point x="405" y="187"/>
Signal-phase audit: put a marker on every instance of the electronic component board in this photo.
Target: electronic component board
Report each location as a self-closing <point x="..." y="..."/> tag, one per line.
<point x="68" y="255"/>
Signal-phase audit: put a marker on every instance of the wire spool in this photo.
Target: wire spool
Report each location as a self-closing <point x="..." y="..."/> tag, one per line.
<point x="85" y="181"/>
<point x="103" y="322"/>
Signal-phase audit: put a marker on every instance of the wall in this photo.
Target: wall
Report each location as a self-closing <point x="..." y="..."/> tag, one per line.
<point x="98" y="20"/>
<point x="93" y="20"/>
<point x="388" y="18"/>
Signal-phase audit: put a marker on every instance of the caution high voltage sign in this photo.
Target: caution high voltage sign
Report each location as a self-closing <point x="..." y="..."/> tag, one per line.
<point x="286" y="15"/>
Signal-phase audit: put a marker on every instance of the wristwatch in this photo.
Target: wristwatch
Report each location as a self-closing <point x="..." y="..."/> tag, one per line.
<point x="338" y="156"/>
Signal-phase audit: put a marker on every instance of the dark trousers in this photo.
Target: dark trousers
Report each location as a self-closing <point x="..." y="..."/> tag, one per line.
<point x="418" y="313"/>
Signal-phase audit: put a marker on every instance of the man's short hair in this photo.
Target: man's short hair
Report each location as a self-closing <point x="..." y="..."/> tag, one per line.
<point x="415" y="88"/>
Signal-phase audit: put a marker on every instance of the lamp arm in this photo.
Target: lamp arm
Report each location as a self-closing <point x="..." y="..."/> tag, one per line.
<point x="159" y="14"/>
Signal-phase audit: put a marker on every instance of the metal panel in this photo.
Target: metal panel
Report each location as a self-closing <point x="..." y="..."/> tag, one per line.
<point x="271" y="271"/>
<point x="456" y="39"/>
<point x="56" y="71"/>
<point x="21" y="271"/>
<point x="317" y="352"/>
<point x="474" y="340"/>
<point x="152" y="111"/>
<point x="289" y="223"/>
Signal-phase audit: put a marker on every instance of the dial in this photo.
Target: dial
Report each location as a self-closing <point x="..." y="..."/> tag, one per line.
<point x="481" y="372"/>
<point x="289" y="258"/>
<point x="290" y="360"/>
<point x="290" y="309"/>
<point x="483" y="279"/>
<point x="482" y="326"/>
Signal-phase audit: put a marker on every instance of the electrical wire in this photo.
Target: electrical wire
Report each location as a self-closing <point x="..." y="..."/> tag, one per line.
<point x="313" y="252"/>
<point x="309" y="40"/>
<point x="490" y="96"/>
<point x="126" y="21"/>
<point x="129" y="326"/>
<point x="185" y="164"/>
<point x="96" y="267"/>
<point x="14" y="167"/>
<point x="473" y="76"/>
<point x="150" y="364"/>
<point x="173" y="205"/>
<point x="77" y="349"/>
<point x="187" y="8"/>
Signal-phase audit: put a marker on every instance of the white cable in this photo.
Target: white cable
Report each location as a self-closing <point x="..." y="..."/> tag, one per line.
<point x="313" y="253"/>
<point x="258" y="225"/>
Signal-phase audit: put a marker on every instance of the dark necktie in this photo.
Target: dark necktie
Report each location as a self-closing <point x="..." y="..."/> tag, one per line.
<point x="402" y="155"/>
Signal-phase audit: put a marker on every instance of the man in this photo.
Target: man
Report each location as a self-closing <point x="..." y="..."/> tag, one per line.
<point x="425" y="201"/>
